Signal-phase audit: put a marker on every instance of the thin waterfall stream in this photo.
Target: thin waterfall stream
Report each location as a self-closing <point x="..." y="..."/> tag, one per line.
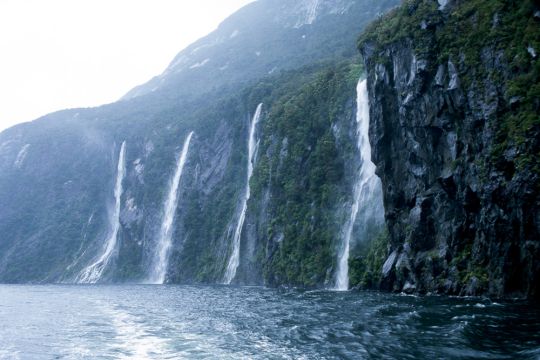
<point x="367" y="196"/>
<point x="94" y="272"/>
<point x="160" y="262"/>
<point x="234" y="259"/>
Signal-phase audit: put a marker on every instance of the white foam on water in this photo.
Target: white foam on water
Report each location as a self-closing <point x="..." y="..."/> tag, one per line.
<point x="133" y="339"/>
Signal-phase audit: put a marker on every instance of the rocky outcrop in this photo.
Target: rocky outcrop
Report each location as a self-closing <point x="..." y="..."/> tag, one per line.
<point x="461" y="190"/>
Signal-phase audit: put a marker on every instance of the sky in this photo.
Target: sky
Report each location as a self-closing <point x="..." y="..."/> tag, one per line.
<point x="60" y="54"/>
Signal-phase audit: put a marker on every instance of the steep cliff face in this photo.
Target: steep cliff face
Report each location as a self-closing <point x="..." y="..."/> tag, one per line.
<point x="455" y="131"/>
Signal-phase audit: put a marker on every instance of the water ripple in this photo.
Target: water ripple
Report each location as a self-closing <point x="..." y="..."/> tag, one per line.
<point x="217" y="322"/>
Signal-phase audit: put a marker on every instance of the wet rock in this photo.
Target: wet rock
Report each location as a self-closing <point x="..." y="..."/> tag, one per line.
<point x="473" y="288"/>
<point x="433" y="133"/>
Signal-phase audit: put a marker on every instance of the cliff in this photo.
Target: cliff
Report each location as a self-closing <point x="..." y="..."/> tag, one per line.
<point x="454" y="97"/>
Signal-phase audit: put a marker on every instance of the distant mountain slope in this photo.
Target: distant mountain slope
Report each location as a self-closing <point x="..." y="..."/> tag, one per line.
<point x="57" y="174"/>
<point x="264" y="38"/>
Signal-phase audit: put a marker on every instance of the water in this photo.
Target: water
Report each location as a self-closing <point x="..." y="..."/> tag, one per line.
<point x="367" y="198"/>
<point x="94" y="271"/>
<point x="161" y="257"/>
<point x="221" y="322"/>
<point x="234" y="259"/>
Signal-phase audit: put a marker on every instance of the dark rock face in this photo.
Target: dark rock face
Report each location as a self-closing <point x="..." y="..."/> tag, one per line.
<point x="462" y="218"/>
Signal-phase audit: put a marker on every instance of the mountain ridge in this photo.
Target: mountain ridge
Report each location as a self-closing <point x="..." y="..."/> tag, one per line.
<point x="57" y="197"/>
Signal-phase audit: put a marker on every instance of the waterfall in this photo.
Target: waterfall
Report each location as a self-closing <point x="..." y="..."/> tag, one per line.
<point x="234" y="260"/>
<point x="161" y="256"/>
<point x="367" y="196"/>
<point x="93" y="272"/>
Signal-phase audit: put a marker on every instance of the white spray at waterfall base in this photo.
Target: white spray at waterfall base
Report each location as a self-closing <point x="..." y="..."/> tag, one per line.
<point x="367" y="196"/>
<point x="93" y="272"/>
<point x="158" y="270"/>
<point x="234" y="259"/>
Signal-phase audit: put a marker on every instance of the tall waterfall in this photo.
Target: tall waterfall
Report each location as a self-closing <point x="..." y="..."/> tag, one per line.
<point x="93" y="272"/>
<point x="367" y="197"/>
<point x="234" y="260"/>
<point x="161" y="257"/>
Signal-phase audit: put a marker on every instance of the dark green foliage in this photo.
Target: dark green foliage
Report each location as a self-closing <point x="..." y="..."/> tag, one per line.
<point x="45" y="231"/>
<point x="461" y="34"/>
<point x="209" y="216"/>
<point x="467" y="270"/>
<point x="301" y="165"/>
<point x="365" y="269"/>
<point x="402" y="23"/>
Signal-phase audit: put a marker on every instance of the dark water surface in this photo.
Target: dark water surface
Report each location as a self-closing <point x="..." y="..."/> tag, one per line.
<point x="177" y="322"/>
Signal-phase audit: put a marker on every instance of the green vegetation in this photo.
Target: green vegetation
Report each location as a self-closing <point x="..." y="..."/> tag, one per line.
<point x="401" y="24"/>
<point x="301" y="165"/>
<point x="468" y="269"/>
<point x="473" y="34"/>
<point x="306" y="79"/>
<point x="365" y="270"/>
<point x="306" y="181"/>
<point x="208" y="216"/>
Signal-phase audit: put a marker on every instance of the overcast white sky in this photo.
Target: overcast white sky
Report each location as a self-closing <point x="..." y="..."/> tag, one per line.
<point x="59" y="54"/>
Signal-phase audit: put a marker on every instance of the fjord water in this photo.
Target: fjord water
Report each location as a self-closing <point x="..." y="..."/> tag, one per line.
<point x="234" y="258"/>
<point x="221" y="322"/>
<point x="158" y="269"/>
<point x="367" y="197"/>
<point x="93" y="272"/>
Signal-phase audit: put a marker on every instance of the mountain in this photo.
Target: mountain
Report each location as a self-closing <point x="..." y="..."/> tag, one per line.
<point x="271" y="153"/>
<point x="265" y="38"/>
<point x="83" y="191"/>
